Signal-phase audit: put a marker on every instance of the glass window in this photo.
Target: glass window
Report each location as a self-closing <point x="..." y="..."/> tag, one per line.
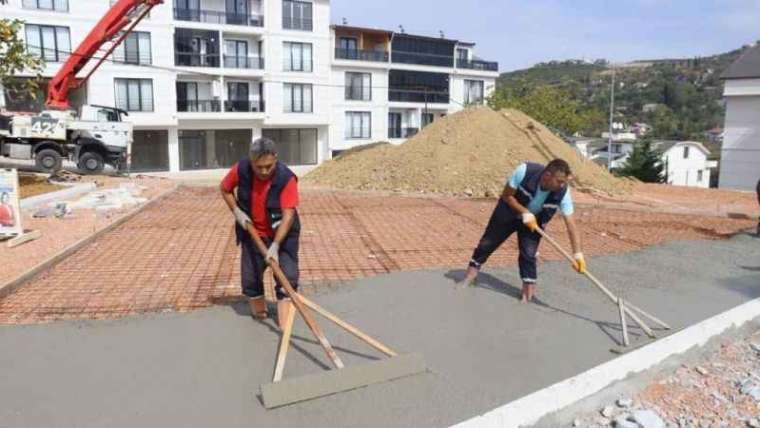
<point x="134" y="94"/>
<point x="297" y="15"/>
<point x="473" y="92"/>
<point x="359" y="86"/>
<point x="358" y="125"/>
<point x="297" y="56"/>
<point x="135" y="49"/>
<point x="294" y="146"/>
<point x="51" y="43"/>
<point x="56" y="5"/>
<point x="297" y="98"/>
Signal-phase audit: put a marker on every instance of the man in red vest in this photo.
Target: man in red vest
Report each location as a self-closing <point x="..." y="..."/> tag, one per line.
<point x="267" y="198"/>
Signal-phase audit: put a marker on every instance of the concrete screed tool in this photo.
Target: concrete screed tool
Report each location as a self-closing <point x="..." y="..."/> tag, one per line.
<point x="624" y="307"/>
<point x="283" y="392"/>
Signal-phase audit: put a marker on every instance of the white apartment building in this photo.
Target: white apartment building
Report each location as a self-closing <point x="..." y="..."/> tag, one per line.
<point x="201" y="78"/>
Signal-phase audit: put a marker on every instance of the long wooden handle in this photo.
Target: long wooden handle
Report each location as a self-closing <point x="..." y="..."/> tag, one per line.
<point x="284" y="344"/>
<point x="599" y="285"/>
<point x="295" y="297"/>
<point x="348" y="327"/>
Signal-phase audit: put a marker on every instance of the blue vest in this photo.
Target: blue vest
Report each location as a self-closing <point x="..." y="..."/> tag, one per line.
<point x="281" y="177"/>
<point x="528" y="188"/>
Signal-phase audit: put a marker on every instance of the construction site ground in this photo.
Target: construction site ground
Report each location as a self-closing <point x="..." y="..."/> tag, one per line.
<point x="483" y="347"/>
<point x="182" y="350"/>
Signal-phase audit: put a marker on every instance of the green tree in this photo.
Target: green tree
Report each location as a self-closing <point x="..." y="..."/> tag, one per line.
<point x="645" y="164"/>
<point x="15" y="59"/>
<point x="552" y="106"/>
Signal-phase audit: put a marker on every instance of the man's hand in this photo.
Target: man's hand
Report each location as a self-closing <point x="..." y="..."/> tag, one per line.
<point x="529" y="220"/>
<point x="240" y="217"/>
<point x="580" y="263"/>
<point x="274" y="252"/>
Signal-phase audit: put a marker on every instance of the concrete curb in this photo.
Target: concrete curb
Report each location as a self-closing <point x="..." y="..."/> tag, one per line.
<point x="530" y="408"/>
<point x="63" y="194"/>
<point x="14" y="284"/>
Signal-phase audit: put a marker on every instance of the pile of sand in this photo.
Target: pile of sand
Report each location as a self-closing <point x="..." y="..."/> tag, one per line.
<point x="468" y="153"/>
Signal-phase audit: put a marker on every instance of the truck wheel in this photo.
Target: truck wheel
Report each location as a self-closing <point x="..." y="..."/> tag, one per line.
<point x="91" y="163"/>
<point x="48" y="160"/>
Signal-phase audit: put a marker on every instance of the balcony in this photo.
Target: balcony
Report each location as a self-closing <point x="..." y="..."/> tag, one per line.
<point x="243" y="106"/>
<point x="192" y="59"/>
<point x="361" y="55"/>
<point x="418" y="96"/>
<point x="250" y="62"/>
<point x="402" y="132"/>
<point x="422" y="59"/>
<point x="198" y="106"/>
<point x="478" y="65"/>
<point x="218" y="17"/>
<point x="302" y="24"/>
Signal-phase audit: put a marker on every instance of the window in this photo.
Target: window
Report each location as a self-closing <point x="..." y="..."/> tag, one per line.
<point x="686" y="152"/>
<point x="616" y="148"/>
<point x="135" y="49"/>
<point x="298" y="98"/>
<point x="358" y="125"/>
<point x="49" y="42"/>
<point x="462" y="55"/>
<point x="427" y="119"/>
<point x="699" y="176"/>
<point x="134" y="94"/>
<point x="56" y="5"/>
<point x="473" y="92"/>
<point x="297" y="56"/>
<point x="359" y="86"/>
<point x="296" y="15"/>
<point x="348" y="44"/>
<point x="294" y="146"/>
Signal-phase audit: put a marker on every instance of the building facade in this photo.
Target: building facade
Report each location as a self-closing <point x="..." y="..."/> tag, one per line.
<point x="201" y="78"/>
<point x="740" y="151"/>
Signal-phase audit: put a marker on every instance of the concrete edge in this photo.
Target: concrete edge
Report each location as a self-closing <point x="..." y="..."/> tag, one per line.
<point x="531" y="408"/>
<point x="68" y="193"/>
<point x="14" y="284"/>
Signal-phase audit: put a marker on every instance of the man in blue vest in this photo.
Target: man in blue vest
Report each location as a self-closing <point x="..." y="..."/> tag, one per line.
<point x="267" y="198"/>
<point x="530" y="199"/>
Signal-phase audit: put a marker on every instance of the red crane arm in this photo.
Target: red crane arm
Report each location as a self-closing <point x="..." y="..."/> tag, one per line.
<point x="113" y="27"/>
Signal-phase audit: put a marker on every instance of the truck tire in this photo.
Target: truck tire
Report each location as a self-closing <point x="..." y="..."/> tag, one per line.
<point x="91" y="163"/>
<point x="48" y="160"/>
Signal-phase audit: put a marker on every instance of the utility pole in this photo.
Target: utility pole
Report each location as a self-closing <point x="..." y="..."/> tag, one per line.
<point x="612" y="110"/>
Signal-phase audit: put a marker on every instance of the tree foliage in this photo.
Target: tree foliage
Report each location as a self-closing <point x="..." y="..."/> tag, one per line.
<point x="15" y="59"/>
<point x="645" y="164"/>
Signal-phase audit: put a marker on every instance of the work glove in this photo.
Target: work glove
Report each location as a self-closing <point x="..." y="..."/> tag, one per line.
<point x="240" y="217"/>
<point x="529" y="220"/>
<point x="274" y="252"/>
<point x="579" y="264"/>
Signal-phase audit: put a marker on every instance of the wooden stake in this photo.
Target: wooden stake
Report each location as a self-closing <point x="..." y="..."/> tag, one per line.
<point x="348" y="327"/>
<point x="284" y="344"/>
<point x="296" y="298"/>
<point x="622" y="322"/>
<point x="599" y="284"/>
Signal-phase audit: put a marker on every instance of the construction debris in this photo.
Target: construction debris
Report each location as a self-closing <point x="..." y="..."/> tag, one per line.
<point x="469" y="153"/>
<point x="126" y="195"/>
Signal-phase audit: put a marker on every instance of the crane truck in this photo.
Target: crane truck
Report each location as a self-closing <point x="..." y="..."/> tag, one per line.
<point x="94" y="136"/>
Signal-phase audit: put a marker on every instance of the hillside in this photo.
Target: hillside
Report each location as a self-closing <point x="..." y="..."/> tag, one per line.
<point x="680" y="98"/>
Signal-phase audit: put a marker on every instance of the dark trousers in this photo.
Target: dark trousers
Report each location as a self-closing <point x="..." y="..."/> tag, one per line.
<point x="503" y="223"/>
<point x="253" y="265"/>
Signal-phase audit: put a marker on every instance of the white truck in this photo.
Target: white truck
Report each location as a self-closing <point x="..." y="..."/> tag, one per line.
<point x="96" y="138"/>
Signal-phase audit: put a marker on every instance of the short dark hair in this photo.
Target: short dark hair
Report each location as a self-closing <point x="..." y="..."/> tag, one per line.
<point x="558" y="165"/>
<point x="261" y="147"/>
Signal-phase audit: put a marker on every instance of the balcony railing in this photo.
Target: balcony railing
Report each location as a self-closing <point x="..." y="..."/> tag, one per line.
<point x="198" y="106"/>
<point x="218" y="17"/>
<point x="191" y="59"/>
<point x="361" y="55"/>
<point x="243" y="106"/>
<point x="418" y="96"/>
<point x="252" y="62"/>
<point x="422" y="59"/>
<point x="402" y="132"/>
<point x="478" y="65"/>
<point x="303" y="24"/>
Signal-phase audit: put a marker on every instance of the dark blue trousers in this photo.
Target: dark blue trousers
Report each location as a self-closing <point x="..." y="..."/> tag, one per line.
<point x="253" y="265"/>
<point x="503" y="223"/>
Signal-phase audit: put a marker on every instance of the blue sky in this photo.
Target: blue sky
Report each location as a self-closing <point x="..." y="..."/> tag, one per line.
<point x="521" y="33"/>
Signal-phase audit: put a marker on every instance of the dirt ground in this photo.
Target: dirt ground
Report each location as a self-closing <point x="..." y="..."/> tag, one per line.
<point x="32" y="185"/>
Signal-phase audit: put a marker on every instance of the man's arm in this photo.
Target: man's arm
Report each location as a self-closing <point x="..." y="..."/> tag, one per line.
<point x="228" y="196"/>
<point x="288" y="216"/>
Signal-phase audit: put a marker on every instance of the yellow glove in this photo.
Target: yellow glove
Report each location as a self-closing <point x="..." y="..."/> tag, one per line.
<point x="580" y="263"/>
<point x="529" y="220"/>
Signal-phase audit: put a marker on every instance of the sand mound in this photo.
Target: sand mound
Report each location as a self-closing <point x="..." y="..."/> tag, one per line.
<point x="471" y="152"/>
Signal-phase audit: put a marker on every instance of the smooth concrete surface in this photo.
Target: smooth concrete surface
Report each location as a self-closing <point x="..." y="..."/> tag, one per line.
<point x="482" y="346"/>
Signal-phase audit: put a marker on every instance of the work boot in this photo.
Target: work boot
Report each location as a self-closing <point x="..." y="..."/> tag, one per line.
<point x="284" y="307"/>
<point x="258" y="307"/>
